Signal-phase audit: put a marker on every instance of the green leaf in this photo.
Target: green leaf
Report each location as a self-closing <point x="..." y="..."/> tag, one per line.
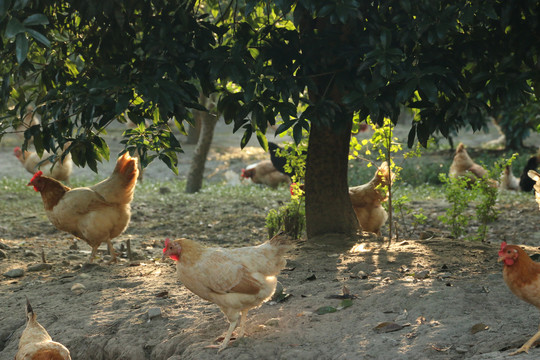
<point x="21" y="47"/>
<point x="325" y="310"/>
<point x="412" y="136"/>
<point x="346" y="303"/>
<point x="13" y="28"/>
<point x="39" y="37"/>
<point x="297" y="133"/>
<point x="246" y="137"/>
<point x="36" y="19"/>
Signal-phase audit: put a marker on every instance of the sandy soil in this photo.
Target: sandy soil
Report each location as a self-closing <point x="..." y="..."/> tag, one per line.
<point x="424" y="296"/>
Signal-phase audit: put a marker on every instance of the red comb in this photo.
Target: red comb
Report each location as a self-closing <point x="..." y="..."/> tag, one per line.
<point x="503" y="245"/>
<point x="166" y="245"/>
<point x="36" y="175"/>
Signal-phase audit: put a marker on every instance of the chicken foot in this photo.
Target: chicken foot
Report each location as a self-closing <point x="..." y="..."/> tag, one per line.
<point x="528" y="344"/>
<point x="111" y="251"/>
<point x="226" y="339"/>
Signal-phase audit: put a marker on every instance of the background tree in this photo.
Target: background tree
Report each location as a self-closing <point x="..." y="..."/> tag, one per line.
<point x="84" y="63"/>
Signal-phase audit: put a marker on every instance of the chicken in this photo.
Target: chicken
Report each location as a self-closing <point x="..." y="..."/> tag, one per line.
<point x="508" y="180"/>
<point x="522" y="276"/>
<point x="236" y="280"/>
<point x="463" y="165"/>
<point x="536" y="177"/>
<point x="60" y="171"/>
<point x="36" y="343"/>
<point x="367" y="200"/>
<point x="265" y="173"/>
<point x="95" y="214"/>
<point x="525" y="182"/>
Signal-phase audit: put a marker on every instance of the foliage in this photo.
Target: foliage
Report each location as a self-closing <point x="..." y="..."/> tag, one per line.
<point x="289" y="217"/>
<point x="487" y="197"/>
<point x="518" y="120"/>
<point x="460" y="192"/>
<point x="401" y="207"/>
<point x="458" y="196"/>
<point x="88" y="63"/>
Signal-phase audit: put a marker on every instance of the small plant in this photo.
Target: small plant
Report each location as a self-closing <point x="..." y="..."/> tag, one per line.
<point x="486" y="194"/>
<point x="401" y="206"/>
<point x="459" y="197"/>
<point x="290" y="217"/>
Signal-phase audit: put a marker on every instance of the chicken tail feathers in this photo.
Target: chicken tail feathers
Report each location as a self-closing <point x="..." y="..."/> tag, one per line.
<point x="281" y="239"/>
<point x="120" y="186"/>
<point x="127" y="168"/>
<point x="30" y="316"/>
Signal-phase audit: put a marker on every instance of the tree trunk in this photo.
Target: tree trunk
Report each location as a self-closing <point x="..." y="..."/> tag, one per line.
<point x="328" y="205"/>
<point x="196" y="171"/>
<point x="194" y="132"/>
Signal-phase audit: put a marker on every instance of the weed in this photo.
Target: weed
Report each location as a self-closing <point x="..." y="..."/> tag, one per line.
<point x="291" y="218"/>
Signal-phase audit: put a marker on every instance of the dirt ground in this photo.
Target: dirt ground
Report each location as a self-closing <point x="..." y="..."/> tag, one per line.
<point x="423" y="296"/>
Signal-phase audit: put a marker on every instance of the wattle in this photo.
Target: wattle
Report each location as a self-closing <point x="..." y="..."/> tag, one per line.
<point x="174" y="257"/>
<point x="509" y="262"/>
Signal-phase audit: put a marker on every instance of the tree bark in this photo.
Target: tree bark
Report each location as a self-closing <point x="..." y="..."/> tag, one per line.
<point x="196" y="170"/>
<point x="328" y="205"/>
<point x="194" y="132"/>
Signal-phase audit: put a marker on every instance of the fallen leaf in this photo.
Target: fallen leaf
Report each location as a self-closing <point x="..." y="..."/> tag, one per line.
<point x="325" y="310"/>
<point x="387" y="326"/>
<point x="345" y="304"/>
<point x="478" y="327"/>
<point x="441" y="349"/>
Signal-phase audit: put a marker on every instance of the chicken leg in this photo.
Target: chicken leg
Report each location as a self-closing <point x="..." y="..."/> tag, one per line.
<point x="528" y="344"/>
<point x="225" y="342"/>
<point x="242" y="323"/>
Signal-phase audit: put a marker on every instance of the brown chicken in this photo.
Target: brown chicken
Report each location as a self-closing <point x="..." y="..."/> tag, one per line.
<point x="522" y="275"/>
<point x="236" y="280"/>
<point x="60" y="171"/>
<point x="36" y="343"/>
<point x="96" y="214"/>
<point x="464" y="166"/>
<point x="265" y="173"/>
<point x="367" y="200"/>
<point x="536" y="177"/>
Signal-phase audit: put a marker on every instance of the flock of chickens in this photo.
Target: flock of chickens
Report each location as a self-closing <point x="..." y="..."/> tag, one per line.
<point x="238" y="279"/>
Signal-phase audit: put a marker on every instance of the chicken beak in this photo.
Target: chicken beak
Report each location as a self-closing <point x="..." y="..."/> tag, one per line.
<point x="164" y="257"/>
<point x="501" y="259"/>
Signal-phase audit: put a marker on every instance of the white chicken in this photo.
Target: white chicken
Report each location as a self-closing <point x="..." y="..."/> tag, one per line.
<point x="236" y="280"/>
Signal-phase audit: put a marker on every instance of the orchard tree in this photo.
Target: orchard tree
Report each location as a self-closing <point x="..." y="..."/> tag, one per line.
<point x="451" y="62"/>
<point x="303" y="65"/>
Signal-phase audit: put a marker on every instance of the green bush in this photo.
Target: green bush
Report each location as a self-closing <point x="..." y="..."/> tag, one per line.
<point x="290" y="218"/>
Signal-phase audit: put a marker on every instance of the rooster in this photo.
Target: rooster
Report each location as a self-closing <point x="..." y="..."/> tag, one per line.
<point x="522" y="276"/>
<point x="367" y="200"/>
<point x="535" y="177"/>
<point x="236" y="280"/>
<point x="265" y="173"/>
<point x="36" y="343"/>
<point x="96" y="214"/>
<point x="61" y="170"/>
<point x="464" y="166"/>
